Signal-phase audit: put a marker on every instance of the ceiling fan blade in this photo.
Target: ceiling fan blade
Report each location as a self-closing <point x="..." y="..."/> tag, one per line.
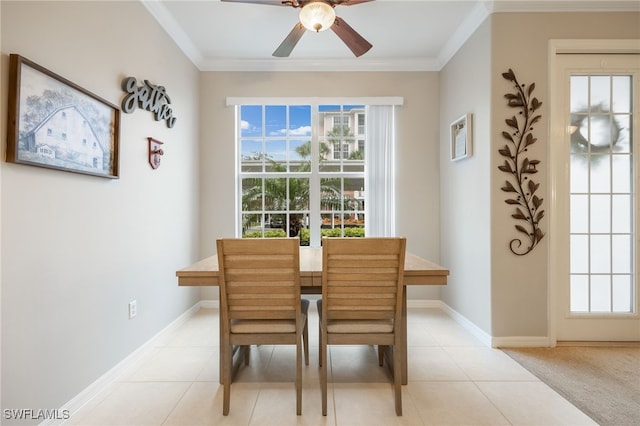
<point x="350" y="2"/>
<point x="268" y="2"/>
<point x="290" y="41"/>
<point x="354" y="41"/>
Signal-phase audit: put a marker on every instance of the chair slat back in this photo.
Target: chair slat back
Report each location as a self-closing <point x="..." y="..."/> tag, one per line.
<point x="259" y="278"/>
<point x="362" y="277"/>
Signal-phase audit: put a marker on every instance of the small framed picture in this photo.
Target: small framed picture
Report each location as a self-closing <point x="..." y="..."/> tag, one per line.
<point x="461" y="138"/>
<point x="57" y="124"/>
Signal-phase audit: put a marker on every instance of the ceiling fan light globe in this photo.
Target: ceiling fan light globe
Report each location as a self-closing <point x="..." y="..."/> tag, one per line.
<point x="317" y="16"/>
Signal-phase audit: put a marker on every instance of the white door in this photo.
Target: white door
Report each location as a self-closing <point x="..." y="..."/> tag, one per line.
<point x="595" y="169"/>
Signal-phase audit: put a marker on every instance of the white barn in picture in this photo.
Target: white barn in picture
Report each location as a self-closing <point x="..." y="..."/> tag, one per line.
<point x="66" y="135"/>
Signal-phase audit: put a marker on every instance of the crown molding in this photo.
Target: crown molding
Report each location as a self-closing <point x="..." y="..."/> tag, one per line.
<point x="174" y="30"/>
<point x="481" y="11"/>
<point x="563" y="6"/>
<point x="469" y="26"/>
<point x="301" y="65"/>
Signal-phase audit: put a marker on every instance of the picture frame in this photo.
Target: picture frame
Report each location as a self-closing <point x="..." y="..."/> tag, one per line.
<point x="56" y="124"/>
<point x="461" y="138"/>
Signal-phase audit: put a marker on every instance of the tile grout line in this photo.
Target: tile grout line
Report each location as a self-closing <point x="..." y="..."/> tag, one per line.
<point x="177" y="403"/>
<point x="491" y="401"/>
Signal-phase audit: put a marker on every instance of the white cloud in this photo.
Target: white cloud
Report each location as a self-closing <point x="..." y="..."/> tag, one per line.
<point x="300" y="131"/>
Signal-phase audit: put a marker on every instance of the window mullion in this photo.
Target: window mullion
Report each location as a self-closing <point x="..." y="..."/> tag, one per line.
<point x="262" y="139"/>
<point x="314" y="182"/>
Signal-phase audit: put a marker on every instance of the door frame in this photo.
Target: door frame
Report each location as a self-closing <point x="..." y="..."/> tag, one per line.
<point x="558" y="172"/>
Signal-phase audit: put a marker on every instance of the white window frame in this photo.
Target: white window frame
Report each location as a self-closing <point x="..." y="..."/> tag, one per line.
<point x="381" y="226"/>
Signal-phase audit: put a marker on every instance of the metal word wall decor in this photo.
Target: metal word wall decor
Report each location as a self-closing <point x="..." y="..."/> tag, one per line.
<point x="150" y="97"/>
<point x="521" y="187"/>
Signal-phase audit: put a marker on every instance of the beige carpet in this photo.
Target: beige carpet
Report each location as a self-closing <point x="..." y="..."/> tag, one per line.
<point x="603" y="382"/>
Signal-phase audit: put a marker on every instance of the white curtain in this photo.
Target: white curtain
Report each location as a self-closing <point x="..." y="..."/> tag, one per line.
<point x="380" y="171"/>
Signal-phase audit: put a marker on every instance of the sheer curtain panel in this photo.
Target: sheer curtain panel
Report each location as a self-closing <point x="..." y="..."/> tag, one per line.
<point x="380" y="171"/>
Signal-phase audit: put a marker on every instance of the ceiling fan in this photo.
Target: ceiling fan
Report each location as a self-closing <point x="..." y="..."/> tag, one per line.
<point x="317" y="15"/>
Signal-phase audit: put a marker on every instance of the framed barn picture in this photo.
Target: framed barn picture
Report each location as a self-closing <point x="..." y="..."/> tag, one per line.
<point x="56" y="124"/>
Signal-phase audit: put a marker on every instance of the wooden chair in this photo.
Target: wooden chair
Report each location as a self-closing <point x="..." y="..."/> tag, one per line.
<point x="362" y="293"/>
<point x="260" y="301"/>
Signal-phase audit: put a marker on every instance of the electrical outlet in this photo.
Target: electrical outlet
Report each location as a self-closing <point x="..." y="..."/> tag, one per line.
<point x="133" y="309"/>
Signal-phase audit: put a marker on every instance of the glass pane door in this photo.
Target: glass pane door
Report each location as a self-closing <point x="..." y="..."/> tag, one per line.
<point x="593" y="236"/>
<point x="601" y="194"/>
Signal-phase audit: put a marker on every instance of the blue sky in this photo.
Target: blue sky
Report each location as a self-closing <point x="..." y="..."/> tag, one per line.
<point x="298" y="129"/>
<point x="276" y="116"/>
<point x="275" y="120"/>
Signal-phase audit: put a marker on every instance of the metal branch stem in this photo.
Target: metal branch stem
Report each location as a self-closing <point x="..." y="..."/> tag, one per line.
<point x="520" y="138"/>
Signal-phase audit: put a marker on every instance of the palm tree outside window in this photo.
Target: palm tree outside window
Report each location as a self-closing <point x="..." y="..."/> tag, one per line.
<point x="301" y="171"/>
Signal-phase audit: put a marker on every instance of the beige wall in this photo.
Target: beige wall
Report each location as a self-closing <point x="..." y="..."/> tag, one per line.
<point x="76" y="248"/>
<point x="520" y="42"/>
<point x="504" y="295"/>
<point x="418" y="151"/>
<point x="465" y="201"/>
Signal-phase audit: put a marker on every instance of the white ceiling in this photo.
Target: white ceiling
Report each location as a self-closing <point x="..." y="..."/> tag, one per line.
<point x="406" y="34"/>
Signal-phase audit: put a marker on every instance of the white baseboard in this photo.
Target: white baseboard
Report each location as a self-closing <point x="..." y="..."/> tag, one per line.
<point x="521" y="342"/>
<point x="209" y="304"/>
<point x="131" y="361"/>
<point x="495" y="342"/>
<point x="424" y="303"/>
<point x="479" y="333"/>
<point x="215" y="304"/>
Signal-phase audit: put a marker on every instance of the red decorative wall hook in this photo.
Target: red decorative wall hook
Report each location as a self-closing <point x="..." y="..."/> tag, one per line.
<point x="155" y="152"/>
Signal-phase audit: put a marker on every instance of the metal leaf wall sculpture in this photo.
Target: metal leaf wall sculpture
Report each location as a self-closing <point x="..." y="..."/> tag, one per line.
<point x="521" y="187"/>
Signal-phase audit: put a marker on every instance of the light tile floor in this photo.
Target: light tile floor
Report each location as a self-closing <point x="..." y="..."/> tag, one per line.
<point x="453" y="380"/>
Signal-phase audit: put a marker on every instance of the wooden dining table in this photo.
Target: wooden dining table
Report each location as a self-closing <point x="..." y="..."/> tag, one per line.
<point x="417" y="271"/>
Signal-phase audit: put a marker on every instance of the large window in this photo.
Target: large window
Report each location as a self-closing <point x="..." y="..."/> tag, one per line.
<point x="301" y="171"/>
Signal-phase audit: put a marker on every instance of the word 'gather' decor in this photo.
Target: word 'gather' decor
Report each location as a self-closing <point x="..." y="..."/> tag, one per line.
<point x="521" y="169"/>
<point x="150" y="97"/>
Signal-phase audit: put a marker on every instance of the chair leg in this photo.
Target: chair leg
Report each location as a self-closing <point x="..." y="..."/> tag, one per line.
<point x="305" y="341"/>
<point x="319" y="306"/>
<point x="397" y="378"/>
<point x="381" y="350"/>
<point x="319" y="347"/>
<point x="323" y="376"/>
<point x="246" y="353"/>
<point x="227" y="361"/>
<point x="299" y="378"/>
